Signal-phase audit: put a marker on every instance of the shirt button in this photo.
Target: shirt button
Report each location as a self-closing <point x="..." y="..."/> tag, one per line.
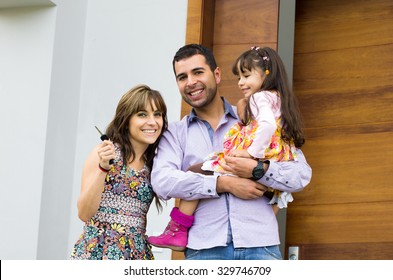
<point x="271" y="174"/>
<point x="209" y="191"/>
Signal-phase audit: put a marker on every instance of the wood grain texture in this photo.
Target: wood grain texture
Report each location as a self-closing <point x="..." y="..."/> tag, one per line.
<point x="345" y="86"/>
<point x="200" y="22"/>
<point x="350" y="164"/>
<point x="343" y="78"/>
<point x="247" y="21"/>
<point x="342" y="24"/>
<point x="364" y="222"/>
<point x="194" y="22"/>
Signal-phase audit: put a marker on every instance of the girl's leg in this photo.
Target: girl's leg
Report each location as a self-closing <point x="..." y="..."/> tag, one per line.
<point x="275" y="208"/>
<point x="175" y="235"/>
<point x="188" y="207"/>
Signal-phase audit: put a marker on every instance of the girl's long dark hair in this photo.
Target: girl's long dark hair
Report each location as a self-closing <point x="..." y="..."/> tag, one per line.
<point x="268" y="60"/>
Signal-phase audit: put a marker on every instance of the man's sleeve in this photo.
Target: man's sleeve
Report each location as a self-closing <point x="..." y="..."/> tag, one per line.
<point x="289" y="176"/>
<point x="167" y="177"/>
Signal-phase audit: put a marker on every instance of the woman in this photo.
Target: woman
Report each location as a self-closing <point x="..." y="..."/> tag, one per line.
<point x="115" y="198"/>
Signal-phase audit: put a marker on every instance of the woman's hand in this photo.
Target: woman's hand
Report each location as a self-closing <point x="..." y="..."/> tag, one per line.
<point x="106" y="152"/>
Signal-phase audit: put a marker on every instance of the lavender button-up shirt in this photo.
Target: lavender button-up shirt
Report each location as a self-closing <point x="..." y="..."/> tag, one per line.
<point x="249" y="223"/>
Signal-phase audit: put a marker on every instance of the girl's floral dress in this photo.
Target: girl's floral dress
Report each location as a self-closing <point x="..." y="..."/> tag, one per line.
<point x="118" y="229"/>
<point x="240" y="137"/>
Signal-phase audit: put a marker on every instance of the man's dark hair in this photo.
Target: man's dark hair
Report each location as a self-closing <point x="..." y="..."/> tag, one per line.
<point x="193" y="49"/>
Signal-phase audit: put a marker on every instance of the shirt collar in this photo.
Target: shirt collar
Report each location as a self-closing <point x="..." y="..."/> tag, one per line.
<point x="228" y="110"/>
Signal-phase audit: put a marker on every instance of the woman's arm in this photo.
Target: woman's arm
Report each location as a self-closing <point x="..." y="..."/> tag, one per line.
<point x="93" y="179"/>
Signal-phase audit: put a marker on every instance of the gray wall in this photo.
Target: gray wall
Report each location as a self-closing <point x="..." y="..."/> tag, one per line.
<point x="64" y="64"/>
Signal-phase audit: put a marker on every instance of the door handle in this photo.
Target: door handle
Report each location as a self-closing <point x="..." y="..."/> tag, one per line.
<point x="293" y="253"/>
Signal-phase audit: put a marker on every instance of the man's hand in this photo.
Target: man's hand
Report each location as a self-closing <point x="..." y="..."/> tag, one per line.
<point x="239" y="166"/>
<point x="240" y="187"/>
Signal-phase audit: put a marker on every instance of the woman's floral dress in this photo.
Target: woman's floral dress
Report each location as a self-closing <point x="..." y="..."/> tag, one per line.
<point x="118" y="229"/>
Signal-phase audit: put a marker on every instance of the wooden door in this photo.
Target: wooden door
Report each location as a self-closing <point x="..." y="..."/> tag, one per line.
<point x="344" y="80"/>
<point x="343" y="76"/>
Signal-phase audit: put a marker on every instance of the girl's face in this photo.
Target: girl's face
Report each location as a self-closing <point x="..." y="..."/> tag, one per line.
<point x="250" y="82"/>
<point x="145" y="126"/>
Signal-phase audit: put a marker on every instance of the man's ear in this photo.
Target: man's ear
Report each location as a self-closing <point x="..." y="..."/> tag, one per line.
<point x="217" y="75"/>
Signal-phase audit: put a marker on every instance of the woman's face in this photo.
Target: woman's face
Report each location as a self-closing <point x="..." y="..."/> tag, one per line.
<point x="145" y="126"/>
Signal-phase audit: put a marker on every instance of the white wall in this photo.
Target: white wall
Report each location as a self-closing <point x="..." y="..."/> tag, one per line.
<point x="74" y="61"/>
<point x="26" y="47"/>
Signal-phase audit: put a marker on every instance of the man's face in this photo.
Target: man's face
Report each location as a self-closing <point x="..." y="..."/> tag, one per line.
<point x="197" y="83"/>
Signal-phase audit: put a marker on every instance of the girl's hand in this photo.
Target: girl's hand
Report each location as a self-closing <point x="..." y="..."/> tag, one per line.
<point x="240" y="153"/>
<point x="239" y="166"/>
<point x="241" y="109"/>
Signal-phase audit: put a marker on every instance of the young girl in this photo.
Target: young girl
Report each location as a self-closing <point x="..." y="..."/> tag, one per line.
<point x="269" y="129"/>
<point x="115" y="197"/>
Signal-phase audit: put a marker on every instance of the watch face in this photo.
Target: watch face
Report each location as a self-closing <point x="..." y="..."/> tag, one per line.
<point x="258" y="171"/>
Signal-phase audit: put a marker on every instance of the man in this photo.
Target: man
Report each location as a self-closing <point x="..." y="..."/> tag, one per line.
<point x="233" y="219"/>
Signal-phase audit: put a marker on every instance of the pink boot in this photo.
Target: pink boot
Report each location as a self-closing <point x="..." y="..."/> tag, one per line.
<point x="175" y="235"/>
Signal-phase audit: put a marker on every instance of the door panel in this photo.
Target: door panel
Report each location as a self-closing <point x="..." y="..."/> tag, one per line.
<point x="343" y="76"/>
<point x="357" y="81"/>
<point x="246" y="22"/>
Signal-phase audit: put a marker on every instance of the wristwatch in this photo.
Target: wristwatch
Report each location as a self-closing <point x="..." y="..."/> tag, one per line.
<point x="258" y="171"/>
